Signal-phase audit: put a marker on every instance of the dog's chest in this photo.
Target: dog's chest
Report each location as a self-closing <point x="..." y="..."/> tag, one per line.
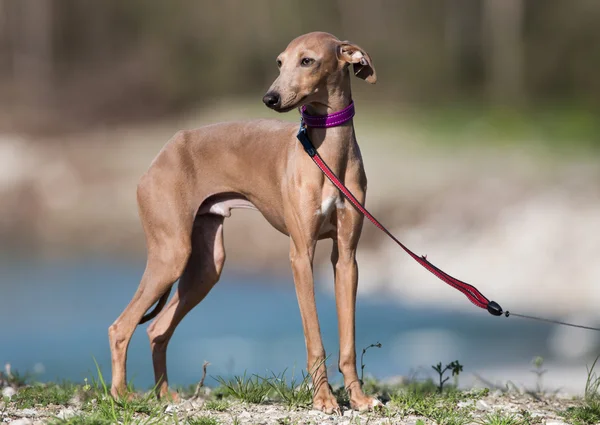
<point x="329" y="204"/>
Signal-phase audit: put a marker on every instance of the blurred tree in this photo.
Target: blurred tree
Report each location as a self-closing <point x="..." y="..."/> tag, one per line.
<point x="113" y="59"/>
<point x="503" y="20"/>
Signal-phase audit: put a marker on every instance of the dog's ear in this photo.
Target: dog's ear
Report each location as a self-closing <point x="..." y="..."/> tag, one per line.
<point x="363" y="65"/>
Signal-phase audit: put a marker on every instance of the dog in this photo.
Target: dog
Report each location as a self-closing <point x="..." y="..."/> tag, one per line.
<point x="201" y="175"/>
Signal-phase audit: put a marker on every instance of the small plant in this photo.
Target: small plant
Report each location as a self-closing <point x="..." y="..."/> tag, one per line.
<point x="251" y="390"/>
<point x="43" y="395"/>
<point x="439" y="408"/>
<point x="295" y="394"/>
<point x="202" y="420"/>
<point x="81" y="420"/>
<point x="125" y="410"/>
<point x="217" y="405"/>
<point x="497" y="418"/>
<point x="539" y="371"/>
<point x="589" y="411"/>
<point x="362" y="364"/>
<point x="528" y="418"/>
<point x="454" y="366"/>
<point x="587" y="414"/>
<point x="592" y="383"/>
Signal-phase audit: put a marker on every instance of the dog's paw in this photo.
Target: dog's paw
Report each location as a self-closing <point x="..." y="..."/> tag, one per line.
<point x="364" y="403"/>
<point x="326" y="403"/>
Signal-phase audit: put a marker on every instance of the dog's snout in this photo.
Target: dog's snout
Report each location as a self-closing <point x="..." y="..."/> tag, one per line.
<point x="272" y="99"/>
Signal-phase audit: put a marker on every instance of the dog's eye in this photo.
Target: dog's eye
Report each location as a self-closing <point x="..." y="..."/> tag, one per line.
<point x="307" y="61"/>
<point x="278" y="63"/>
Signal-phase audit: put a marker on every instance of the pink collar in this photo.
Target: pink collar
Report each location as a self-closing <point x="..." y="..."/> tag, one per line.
<point x="331" y="120"/>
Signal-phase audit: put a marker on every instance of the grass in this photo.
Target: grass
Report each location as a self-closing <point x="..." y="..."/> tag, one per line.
<point x="425" y="400"/>
<point x="202" y="420"/>
<point x="44" y="395"/>
<point x="417" y="400"/>
<point x="293" y="394"/>
<point x="217" y="405"/>
<point x="588" y="412"/>
<point x="81" y="420"/>
<point x="251" y="389"/>
<point x="257" y="389"/>
<point x="497" y="418"/>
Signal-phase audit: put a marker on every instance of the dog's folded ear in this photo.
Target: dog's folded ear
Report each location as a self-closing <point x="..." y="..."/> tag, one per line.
<point x="363" y="65"/>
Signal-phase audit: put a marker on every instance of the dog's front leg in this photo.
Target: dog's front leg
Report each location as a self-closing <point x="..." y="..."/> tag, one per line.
<point x="343" y="258"/>
<point x="301" y="258"/>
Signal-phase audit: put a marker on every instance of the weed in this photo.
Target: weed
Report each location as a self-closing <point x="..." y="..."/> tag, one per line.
<point x="201" y="383"/>
<point x="588" y="414"/>
<point x="251" y="390"/>
<point x="539" y="371"/>
<point x="202" y="420"/>
<point x="43" y="395"/>
<point x="592" y="383"/>
<point x="295" y="394"/>
<point x="424" y="399"/>
<point x="529" y="419"/>
<point x="362" y="364"/>
<point x="217" y="405"/>
<point x="497" y="418"/>
<point x="589" y="411"/>
<point x="81" y="420"/>
<point x="341" y="396"/>
<point x="454" y="366"/>
<point x="124" y="410"/>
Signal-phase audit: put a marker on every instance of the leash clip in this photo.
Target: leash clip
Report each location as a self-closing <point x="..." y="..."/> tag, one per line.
<point x="303" y="138"/>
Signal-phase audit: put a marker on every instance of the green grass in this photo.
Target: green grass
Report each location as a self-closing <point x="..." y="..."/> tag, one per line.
<point x="81" y="420"/>
<point x="558" y="128"/>
<point x="251" y="389"/>
<point x="498" y="418"/>
<point x="44" y="395"/>
<point x="294" y="393"/>
<point x="202" y="420"/>
<point x="216" y="405"/>
<point x="422" y="399"/>
<point x="588" y="412"/>
<point x="555" y="128"/>
<point x="257" y="389"/>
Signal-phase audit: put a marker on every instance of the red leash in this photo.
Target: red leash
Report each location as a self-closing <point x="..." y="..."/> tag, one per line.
<point x="470" y="291"/>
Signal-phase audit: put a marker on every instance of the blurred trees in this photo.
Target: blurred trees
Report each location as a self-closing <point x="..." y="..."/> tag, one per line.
<point x="97" y="59"/>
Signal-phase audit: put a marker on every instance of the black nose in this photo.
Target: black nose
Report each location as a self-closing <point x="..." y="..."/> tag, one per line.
<point x="272" y="99"/>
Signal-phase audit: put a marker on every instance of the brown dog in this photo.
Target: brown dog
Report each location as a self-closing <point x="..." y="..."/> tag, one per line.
<point x="200" y="175"/>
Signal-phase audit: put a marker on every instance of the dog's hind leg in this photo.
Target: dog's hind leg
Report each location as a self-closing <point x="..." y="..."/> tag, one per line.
<point x="201" y="274"/>
<point x="167" y="220"/>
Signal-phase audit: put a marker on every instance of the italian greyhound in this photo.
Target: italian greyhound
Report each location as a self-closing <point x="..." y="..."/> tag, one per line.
<point x="201" y="175"/>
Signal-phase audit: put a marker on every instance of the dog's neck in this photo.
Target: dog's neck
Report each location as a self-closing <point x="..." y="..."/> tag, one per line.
<point x="332" y="140"/>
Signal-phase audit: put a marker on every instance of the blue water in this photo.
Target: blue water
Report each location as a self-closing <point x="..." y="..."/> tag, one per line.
<point x="55" y="315"/>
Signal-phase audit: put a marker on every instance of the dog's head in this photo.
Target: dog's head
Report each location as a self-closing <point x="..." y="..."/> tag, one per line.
<point x="312" y="67"/>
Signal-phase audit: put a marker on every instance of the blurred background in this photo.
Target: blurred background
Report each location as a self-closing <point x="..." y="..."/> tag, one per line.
<point x="481" y="141"/>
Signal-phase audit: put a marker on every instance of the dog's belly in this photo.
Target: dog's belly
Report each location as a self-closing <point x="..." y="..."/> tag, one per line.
<point x="223" y="204"/>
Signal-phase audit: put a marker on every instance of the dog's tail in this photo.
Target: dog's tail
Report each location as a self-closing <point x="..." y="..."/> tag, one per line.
<point x="159" y="306"/>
